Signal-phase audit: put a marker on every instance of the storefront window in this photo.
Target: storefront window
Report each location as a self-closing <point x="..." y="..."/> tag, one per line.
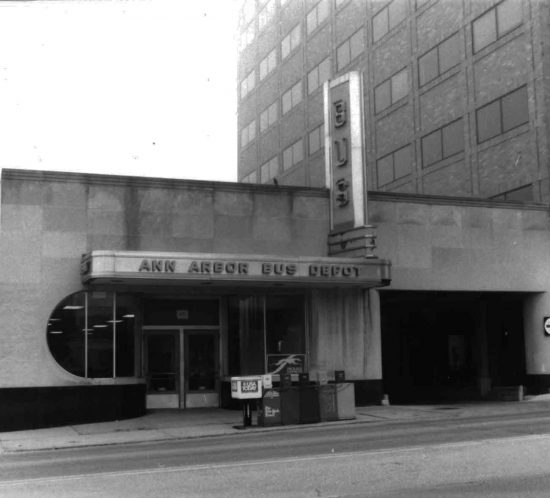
<point x="100" y="334"/>
<point x="285" y="334"/>
<point x="66" y="333"/>
<point x="125" y="320"/>
<point x="91" y="334"/>
<point x="266" y="334"/>
<point x="246" y="332"/>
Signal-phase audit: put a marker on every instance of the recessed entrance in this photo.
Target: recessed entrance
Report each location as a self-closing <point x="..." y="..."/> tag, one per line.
<point x="451" y="346"/>
<point x="181" y="367"/>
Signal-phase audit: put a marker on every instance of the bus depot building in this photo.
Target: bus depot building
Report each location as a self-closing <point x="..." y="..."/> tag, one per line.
<point x="122" y="294"/>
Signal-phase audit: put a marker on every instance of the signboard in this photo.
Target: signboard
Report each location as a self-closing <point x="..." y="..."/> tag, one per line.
<point x="286" y="363"/>
<point x="344" y="146"/>
<point x="249" y="387"/>
<point x="190" y="267"/>
<point x="546" y="325"/>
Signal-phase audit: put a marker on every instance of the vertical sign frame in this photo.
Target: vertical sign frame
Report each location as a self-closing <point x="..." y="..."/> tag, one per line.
<point x="345" y="152"/>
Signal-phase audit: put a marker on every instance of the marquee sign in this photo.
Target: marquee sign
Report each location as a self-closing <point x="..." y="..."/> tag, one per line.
<point x="130" y="266"/>
<point x="344" y="161"/>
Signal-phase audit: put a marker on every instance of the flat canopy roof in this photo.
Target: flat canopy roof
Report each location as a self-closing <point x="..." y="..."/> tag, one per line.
<point x="131" y="267"/>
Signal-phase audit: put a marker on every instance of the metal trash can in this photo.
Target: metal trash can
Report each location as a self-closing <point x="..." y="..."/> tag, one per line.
<point x="309" y="404"/>
<point x="328" y="408"/>
<point x="269" y="411"/>
<point x="290" y="405"/>
<point x="345" y="400"/>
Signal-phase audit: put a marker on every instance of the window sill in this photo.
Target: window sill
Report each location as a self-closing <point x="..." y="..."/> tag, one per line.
<point x="504" y="137"/>
<point x="442" y="78"/>
<point x="394" y="107"/>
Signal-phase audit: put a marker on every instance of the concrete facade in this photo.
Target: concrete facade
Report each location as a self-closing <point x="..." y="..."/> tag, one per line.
<point x="466" y="246"/>
<point x="456" y="249"/>
<point x="49" y="220"/>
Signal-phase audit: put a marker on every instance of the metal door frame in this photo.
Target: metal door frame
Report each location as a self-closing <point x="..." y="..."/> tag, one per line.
<point x="181" y="331"/>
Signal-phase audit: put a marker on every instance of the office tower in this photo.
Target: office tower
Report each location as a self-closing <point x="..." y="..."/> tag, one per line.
<point x="455" y="93"/>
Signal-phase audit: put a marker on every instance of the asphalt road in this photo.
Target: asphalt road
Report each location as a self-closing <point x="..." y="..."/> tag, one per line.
<point x="489" y="456"/>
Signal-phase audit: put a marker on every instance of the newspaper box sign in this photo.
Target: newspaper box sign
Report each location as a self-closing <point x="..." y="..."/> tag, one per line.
<point x="249" y="387"/>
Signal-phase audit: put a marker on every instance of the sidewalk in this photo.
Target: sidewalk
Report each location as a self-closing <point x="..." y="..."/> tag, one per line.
<point x="162" y="425"/>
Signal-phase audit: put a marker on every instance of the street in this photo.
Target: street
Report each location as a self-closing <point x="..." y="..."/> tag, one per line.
<point x="482" y="456"/>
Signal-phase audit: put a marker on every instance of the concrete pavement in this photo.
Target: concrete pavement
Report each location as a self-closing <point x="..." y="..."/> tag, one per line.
<point x="162" y="425"/>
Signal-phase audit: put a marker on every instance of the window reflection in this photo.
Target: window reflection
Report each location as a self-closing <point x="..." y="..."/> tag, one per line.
<point x="87" y="338"/>
<point x="266" y="333"/>
<point x="66" y="333"/>
<point x="100" y="336"/>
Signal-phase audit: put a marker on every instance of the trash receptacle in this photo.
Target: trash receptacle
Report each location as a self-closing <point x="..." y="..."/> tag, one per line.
<point x="309" y="404"/>
<point x="345" y="400"/>
<point x="290" y="405"/>
<point x="269" y="411"/>
<point x="328" y="409"/>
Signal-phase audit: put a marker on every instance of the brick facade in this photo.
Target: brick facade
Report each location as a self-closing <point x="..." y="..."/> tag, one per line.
<point x="514" y="162"/>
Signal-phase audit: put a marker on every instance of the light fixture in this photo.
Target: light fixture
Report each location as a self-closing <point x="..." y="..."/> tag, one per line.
<point x="100" y="326"/>
<point x="56" y="331"/>
<point x="87" y="330"/>
<point x="73" y="307"/>
<point x="114" y="321"/>
<point x="128" y="316"/>
<point x="55" y="319"/>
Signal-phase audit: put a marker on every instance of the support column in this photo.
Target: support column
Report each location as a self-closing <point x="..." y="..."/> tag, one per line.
<point x="370" y="390"/>
<point x="373" y="341"/>
<point x="483" y="373"/>
<point x="537" y="343"/>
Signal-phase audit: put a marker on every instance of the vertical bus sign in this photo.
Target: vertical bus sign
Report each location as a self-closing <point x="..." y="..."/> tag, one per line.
<point x="344" y="152"/>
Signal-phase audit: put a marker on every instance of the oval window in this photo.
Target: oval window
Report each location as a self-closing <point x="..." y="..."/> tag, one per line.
<point x="91" y="334"/>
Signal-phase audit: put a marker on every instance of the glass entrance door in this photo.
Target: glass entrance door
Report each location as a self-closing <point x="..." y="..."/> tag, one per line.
<point x="181" y="367"/>
<point x="201" y="369"/>
<point x="162" y="368"/>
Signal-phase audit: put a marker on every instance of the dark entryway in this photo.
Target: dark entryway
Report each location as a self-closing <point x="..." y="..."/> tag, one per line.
<point x="439" y="346"/>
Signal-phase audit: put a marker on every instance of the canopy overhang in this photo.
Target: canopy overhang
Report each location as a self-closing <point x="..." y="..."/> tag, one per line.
<point x="177" y="268"/>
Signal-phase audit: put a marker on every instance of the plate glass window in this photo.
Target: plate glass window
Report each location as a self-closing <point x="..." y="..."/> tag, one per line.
<point x="92" y="334"/>
<point x="394" y="165"/>
<point x="316" y="138"/>
<point x="250" y="178"/>
<point x="317" y="15"/>
<point x="503" y="114"/>
<point x="248" y="133"/>
<point x="269" y="169"/>
<point x="266" y="14"/>
<point x="293" y="155"/>
<point x="268" y="64"/>
<point x="496" y="22"/>
<point x="515" y="110"/>
<point x="318" y="75"/>
<point x="292" y="97"/>
<point x="268" y="117"/>
<point x="350" y="49"/>
<point x="291" y="41"/>
<point x="247" y="85"/>
<point x="440" y="59"/>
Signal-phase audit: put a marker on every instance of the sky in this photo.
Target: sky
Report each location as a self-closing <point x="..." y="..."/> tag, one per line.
<point x="125" y="87"/>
